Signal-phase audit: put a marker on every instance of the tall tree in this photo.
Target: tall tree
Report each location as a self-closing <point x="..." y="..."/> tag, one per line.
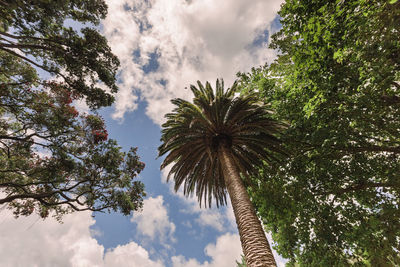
<point x="335" y="201"/>
<point x="53" y="159"/>
<point x="215" y="142"/>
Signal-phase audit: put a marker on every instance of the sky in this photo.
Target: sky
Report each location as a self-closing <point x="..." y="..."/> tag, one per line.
<point x="164" y="46"/>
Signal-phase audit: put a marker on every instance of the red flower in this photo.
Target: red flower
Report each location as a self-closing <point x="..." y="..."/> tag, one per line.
<point x="100" y="135"/>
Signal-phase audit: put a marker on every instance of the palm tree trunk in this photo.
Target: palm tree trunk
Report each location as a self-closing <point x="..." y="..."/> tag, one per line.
<point x="255" y="245"/>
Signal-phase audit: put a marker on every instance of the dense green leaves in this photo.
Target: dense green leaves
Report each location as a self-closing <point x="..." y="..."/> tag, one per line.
<point x="194" y="131"/>
<point x="53" y="159"/>
<point x="335" y="201"/>
<point x="38" y="32"/>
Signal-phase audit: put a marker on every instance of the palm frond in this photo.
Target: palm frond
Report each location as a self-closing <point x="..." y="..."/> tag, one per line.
<point x="194" y="131"/>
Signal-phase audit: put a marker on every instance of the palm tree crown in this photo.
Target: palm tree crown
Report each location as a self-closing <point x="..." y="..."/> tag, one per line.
<point x="194" y="132"/>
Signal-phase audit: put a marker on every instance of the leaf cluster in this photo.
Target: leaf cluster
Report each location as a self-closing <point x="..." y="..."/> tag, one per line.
<point x="52" y="160"/>
<point x="335" y="200"/>
<point x="38" y="33"/>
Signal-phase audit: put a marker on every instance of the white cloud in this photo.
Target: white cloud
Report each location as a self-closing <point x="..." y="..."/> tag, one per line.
<point x="31" y="241"/>
<point x="130" y="254"/>
<point x="193" y="40"/>
<point x="211" y="218"/>
<point x="164" y="176"/>
<point x="230" y="216"/>
<point x="223" y="254"/>
<point x="222" y="219"/>
<point x="153" y="221"/>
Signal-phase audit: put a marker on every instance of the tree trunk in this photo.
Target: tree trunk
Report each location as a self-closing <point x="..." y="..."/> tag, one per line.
<point x="255" y="245"/>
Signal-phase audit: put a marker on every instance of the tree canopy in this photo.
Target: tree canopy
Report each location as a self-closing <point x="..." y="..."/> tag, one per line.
<point x="51" y="155"/>
<point x="38" y="33"/>
<point x="53" y="158"/>
<point x="336" y="83"/>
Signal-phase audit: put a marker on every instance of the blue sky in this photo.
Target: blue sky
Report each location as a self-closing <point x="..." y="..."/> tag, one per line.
<point x="164" y="46"/>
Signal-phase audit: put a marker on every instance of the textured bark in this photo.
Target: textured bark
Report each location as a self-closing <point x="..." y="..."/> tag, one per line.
<point x="255" y="245"/>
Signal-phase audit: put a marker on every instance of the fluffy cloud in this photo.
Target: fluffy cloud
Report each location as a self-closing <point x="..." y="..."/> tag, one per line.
<point x="211" y="218"/>
<point x="130" y="254"/>
<point x="223" y="254"/>
<point x="165" y="45"/>
<point x="31" y="241"/>
<point x="230" y="216"/>
<point x="154" y="222"/>
<point x="222" y="219"/>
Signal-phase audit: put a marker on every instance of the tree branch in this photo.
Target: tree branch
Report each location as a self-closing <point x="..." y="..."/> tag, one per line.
<point x="27" y="59"/>
<point x="28" y="37"/>
<point x="22" y="46"/>
<point x="27" y="195"/>
<point x="37" y="65"/>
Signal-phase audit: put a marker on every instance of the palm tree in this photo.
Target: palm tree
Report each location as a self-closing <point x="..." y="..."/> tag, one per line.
<point x="213" y="143"/>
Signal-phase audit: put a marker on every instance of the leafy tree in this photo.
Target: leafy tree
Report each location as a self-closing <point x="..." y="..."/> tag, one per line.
<point x="335" y="200"/>
<point x="36" y="31"/>
<point x="51" y="157"/>
<point x="213" y="143"/>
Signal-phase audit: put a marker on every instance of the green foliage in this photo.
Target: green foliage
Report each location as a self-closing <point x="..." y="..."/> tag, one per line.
<point x="193" y="132"/>
<point x="53" y="159"/>
<point x="36" y="32"/>
<point x="335" y="200"/>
